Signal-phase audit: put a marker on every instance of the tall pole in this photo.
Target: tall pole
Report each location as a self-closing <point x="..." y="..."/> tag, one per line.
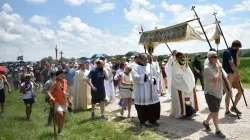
<point x="169" y="48"/>
<point x="61" y="55"/>
<point x="217" y="22"/>
<point x="193" y="8"/>
<point x="143" y="45"/>
<point x="56" y="53"/>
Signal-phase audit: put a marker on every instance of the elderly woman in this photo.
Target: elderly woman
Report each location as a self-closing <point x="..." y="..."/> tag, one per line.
<point x="126" y="89"/>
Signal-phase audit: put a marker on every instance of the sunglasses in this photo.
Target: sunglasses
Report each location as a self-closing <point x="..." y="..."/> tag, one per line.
<point x="129" y="70"/>
<point x="144" y="59"/>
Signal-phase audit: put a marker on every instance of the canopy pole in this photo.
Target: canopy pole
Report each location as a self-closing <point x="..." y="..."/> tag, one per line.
<point x="217" y="22"/>
<point x="169" y="48"/>
<point x="193" y="8"/>
<point x="143" y="45"/>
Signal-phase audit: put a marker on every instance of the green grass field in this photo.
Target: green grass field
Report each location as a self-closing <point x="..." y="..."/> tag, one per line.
<point x="13" y="125"/>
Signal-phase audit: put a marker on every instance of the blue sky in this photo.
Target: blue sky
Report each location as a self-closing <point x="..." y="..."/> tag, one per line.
<point x="84" y="27"/>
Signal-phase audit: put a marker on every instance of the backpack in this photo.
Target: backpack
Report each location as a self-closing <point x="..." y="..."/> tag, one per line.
<point x="189" y="110"/>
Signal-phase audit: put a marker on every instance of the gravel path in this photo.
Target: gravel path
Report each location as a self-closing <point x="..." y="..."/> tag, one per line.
<point x="193" y="129"/>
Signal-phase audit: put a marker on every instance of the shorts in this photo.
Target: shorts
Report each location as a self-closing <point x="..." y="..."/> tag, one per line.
<point x="2" y="96"/>
<point x="116" y="83"/>
<point x="60" y="108"/>
<point x="233" y="83"/>
<point x="213" y="103"/>
<point x="28" y="101"/>
<point x="97" y="96"/>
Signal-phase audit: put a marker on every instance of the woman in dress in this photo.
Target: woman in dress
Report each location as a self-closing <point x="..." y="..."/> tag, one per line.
<point x="126" y="89"/>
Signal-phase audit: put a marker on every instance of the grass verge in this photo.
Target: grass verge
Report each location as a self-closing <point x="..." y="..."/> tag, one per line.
<point x="79" y="127"/>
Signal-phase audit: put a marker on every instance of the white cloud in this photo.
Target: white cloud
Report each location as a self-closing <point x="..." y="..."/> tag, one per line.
<point x="7" y="8"/>
<point x="182" y="14"/>
<point x="76" y="38"/>
<point x="176" y="8"/>
<point x="104" y="7"/>
<point x="243" y="6"/>
<point x="39" y="20"/>
<point x="135" y="4"/>
<point x="95" y="1"/>
<point x="74" y="2"/>
<point x="140" y="14"/>
<point x="36" y="1"/>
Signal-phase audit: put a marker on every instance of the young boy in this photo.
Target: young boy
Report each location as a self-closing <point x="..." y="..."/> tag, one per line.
<point x="3" y="82"/>
<point x="58" y="94"/>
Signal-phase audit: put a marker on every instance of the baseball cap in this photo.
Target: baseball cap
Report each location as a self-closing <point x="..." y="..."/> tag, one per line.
<point x="212" y="54"/>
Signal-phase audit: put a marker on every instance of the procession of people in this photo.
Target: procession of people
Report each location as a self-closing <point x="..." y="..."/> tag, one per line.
<point x="82" y="85"/>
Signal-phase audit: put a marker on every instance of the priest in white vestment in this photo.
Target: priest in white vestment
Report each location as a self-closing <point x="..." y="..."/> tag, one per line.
<point x="168" y="69"/>
<point x="82" y="96"/>
<point x="183" y="91"/>
<point x="146" y="98"/>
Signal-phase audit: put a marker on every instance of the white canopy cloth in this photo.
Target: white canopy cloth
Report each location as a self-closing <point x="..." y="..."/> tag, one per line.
<point x="178" y="33"/>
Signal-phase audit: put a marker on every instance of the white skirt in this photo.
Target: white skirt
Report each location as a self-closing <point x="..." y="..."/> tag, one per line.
<point x="126" y="93"/>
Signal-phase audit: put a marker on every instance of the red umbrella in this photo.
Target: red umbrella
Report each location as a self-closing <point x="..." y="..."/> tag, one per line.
<point x="2" y="69"/>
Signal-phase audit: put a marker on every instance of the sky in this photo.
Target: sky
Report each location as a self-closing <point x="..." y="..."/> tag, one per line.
<point x="82" y="28"/>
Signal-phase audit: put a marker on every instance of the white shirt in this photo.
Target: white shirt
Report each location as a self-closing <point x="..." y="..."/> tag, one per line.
<point x="2" y="81"/>
<point x="28" y="94"/>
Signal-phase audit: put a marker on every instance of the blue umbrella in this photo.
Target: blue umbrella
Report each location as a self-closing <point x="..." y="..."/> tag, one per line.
<point x="99" y="55"/>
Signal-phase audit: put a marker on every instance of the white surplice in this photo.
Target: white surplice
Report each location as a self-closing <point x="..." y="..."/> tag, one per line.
<point x="81" y="90"/>
<point x="108" y="84"/>
<point x="182" y="90"/>
<point x="168" y="71"/>
<point x="142" y="93"/>
<point x="157" y="72"/>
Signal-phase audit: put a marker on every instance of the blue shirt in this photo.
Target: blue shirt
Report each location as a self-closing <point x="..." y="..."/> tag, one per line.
<point x="70" y="76"/>
<point x="97" y="78"/>
<point x="229" y="54"/>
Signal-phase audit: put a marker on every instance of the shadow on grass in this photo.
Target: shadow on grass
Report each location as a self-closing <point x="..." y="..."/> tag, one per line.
<point x="89" y="120"/>
<point x="80" y="111"/>
<point x="19" y="118"/>
<point x="47" y="135"/>
<point x="119" y="119"/>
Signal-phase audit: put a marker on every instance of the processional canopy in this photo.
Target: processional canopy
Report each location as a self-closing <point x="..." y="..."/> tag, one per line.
<point x="178" y="33"/>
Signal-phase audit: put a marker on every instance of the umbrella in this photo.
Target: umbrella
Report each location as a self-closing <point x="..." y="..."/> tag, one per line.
<point x="99" y="55"/>
<point x="3" y="69"/>
<point x="132" y="53"/>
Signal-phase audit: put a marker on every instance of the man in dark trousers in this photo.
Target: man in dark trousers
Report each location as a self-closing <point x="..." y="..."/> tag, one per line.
<point x="198" y="70"/>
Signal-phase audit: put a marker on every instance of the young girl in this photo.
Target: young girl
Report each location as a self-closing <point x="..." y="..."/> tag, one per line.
<point x="126" y="89"/>
<point x="60" y="98"/>
<point x="28" y="94"/>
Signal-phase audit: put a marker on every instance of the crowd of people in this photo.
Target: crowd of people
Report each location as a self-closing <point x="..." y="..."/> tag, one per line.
<point x="140" y="81"/>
